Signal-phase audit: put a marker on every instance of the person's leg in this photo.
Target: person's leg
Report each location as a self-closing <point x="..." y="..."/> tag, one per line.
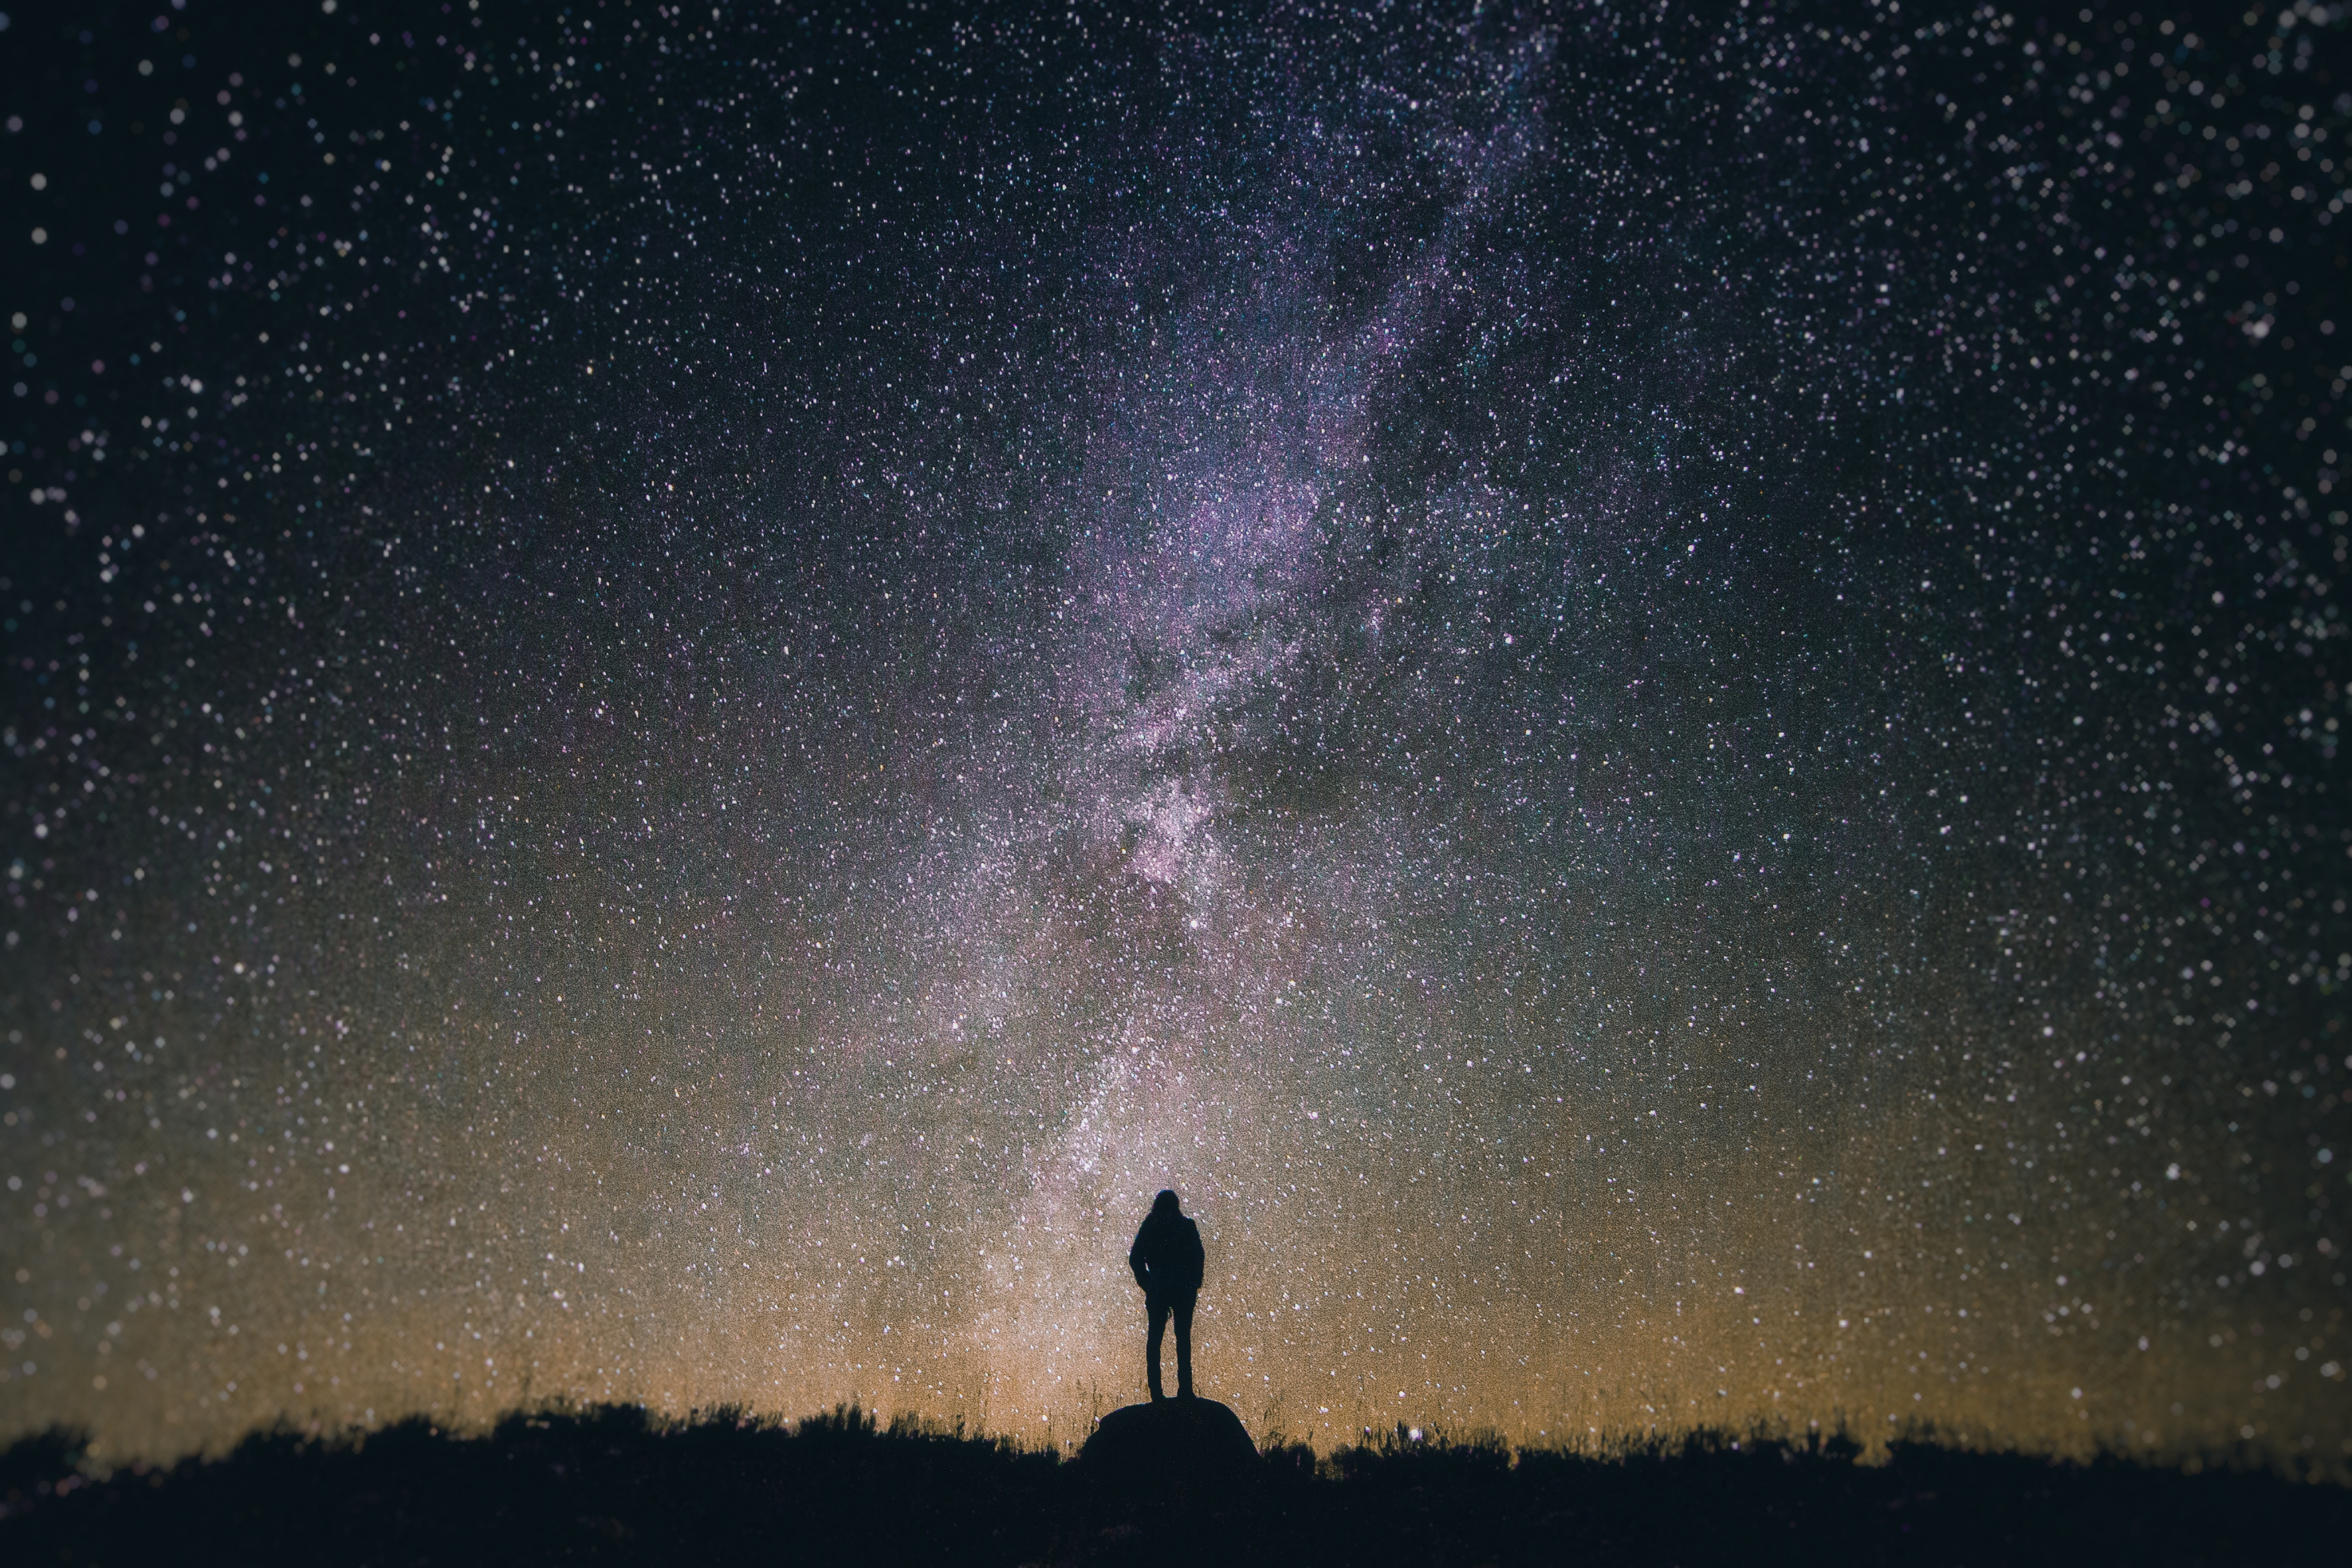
<point x="1159" y="1310"/>
<point x="1182" y="1306"/>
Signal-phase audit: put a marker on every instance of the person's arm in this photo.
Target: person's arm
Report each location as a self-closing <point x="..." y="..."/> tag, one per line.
<point x="1135" y="1261"/>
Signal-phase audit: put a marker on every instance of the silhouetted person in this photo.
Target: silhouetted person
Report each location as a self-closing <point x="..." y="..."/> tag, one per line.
<point x="1167" y="1260"/>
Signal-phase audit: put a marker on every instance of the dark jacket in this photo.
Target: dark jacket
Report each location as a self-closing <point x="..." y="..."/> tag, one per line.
<point x="1167" y="1255"/>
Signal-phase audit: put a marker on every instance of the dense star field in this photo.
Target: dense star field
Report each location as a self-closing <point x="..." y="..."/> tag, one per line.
<point x="1652" y="691"/>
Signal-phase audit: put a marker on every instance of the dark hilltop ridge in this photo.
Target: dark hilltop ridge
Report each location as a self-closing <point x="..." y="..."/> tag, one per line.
<point x="612" y="1485"/>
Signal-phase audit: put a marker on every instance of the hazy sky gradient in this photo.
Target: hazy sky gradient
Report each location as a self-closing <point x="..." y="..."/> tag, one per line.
<point x="1652" y="694"/>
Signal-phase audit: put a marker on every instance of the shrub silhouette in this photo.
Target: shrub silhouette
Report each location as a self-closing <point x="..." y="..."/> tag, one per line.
<point x="611" y="1485"/>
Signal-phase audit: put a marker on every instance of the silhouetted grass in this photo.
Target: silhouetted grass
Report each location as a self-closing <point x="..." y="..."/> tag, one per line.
<point x="610" y="1484"/>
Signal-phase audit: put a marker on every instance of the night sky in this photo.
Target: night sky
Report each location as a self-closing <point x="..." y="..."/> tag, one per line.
<point x="1652" y="693"/>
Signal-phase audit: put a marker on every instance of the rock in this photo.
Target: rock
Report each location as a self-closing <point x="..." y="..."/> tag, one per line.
<point x="1192" y="1445"/>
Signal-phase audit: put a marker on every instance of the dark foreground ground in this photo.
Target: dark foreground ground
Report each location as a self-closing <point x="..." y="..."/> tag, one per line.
<point x="609" y="1486"/>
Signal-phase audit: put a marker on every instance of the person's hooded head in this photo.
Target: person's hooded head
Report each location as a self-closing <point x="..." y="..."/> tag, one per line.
<point x="1165" y="1204"/>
